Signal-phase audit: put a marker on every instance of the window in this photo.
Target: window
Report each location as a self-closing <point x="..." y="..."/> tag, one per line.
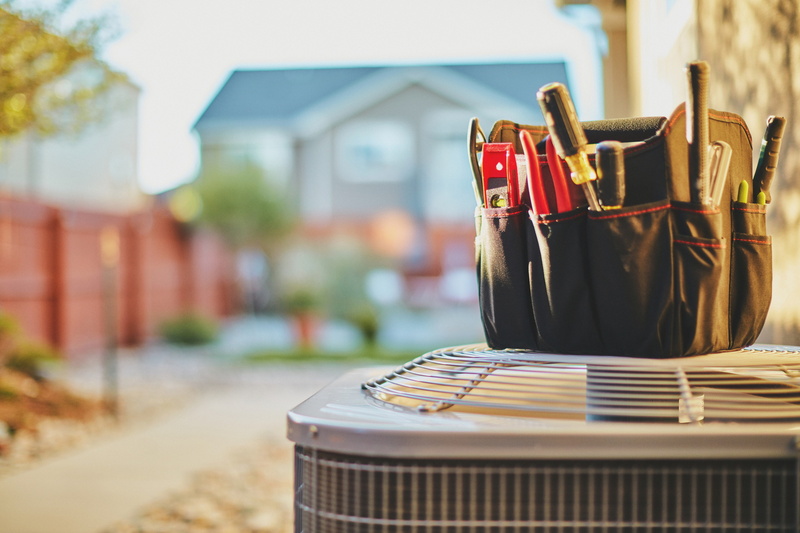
<point x="375" y="151"/>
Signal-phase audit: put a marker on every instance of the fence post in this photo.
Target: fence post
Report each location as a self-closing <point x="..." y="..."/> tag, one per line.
<point x="58" y="286"/>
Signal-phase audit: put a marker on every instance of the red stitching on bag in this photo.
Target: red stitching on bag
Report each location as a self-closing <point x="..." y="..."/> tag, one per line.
<point x="507" y="214"/>
<point x="703" y="244"/>
<point x="698" y="211"/>
<point x="749" y="209"/>
<point x="755" y="241"/>
<point x="618" y="215"/>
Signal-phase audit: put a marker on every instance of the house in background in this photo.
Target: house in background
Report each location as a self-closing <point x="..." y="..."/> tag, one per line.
<point x="95" y="168"/>
<point x="377" y="151"/>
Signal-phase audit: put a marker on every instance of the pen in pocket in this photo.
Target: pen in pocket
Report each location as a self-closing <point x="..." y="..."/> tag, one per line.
<point x="743" y="196"/>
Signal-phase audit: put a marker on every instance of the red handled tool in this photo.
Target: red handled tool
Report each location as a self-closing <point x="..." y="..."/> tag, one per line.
<point x="563" y="199"/>
<point x="535" y="184"/>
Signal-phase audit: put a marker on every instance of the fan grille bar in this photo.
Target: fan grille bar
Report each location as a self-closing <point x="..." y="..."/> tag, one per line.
<point x="751" y="385"/>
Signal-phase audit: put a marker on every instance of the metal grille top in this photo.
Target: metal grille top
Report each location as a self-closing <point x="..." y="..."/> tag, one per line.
<point x="757" y="384"/>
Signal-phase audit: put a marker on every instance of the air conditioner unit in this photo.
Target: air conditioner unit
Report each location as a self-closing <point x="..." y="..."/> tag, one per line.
<point x="469" y="439"/>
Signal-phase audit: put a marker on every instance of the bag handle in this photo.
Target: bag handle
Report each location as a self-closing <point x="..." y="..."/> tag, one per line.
<point x="614" y="129"/>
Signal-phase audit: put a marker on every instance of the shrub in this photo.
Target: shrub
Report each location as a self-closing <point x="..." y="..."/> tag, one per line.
<point x="189" y="329"/>
<point x="367" y="322"/>
<point x="31" y="358"/>
<point x="10" y="334"/>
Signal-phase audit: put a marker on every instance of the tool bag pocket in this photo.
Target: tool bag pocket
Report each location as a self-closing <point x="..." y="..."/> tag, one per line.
<point x="751" y="278"/>
<point x="699" y="253"/>
<point x="559" y="279"/>
<point x="631" y="277"/>
<point x="504" y="294"/>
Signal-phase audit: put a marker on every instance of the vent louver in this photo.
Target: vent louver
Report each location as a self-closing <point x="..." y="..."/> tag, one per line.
<point x="341" y="493"/>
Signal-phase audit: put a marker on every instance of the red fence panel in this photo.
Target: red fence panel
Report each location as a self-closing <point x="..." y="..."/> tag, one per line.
<point x="55" y="279"/>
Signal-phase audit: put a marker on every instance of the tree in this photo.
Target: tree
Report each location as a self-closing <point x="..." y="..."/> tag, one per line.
<point x="240" y="204"/>
<point x="40" y="87"/>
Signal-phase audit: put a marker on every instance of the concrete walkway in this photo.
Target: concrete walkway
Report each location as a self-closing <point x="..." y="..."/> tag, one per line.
<point x="87" y="490"/>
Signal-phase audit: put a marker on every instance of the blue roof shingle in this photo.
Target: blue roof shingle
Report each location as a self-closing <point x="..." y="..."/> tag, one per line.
<point x="278" y="95"/>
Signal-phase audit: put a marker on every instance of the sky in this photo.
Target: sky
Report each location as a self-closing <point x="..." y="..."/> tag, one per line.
<point x="180" y="52"/>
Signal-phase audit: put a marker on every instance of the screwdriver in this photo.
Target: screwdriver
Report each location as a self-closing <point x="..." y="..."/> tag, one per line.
<point x="697" y="73"/>
<point x="611" y="174"/>
<point x="768" y="158"/>
<point x="568" y="137"/>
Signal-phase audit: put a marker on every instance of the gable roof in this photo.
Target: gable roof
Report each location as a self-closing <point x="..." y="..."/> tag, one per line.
<point x="280" y="96"/>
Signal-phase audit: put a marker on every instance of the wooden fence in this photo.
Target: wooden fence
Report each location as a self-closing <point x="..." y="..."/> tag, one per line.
<point x="75" y="278"/>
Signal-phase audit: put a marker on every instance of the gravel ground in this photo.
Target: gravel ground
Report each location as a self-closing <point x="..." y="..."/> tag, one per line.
<point x="253" y="494"/>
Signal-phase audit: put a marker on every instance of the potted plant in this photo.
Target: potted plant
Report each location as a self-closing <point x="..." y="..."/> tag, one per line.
<point x="302" y="305"/>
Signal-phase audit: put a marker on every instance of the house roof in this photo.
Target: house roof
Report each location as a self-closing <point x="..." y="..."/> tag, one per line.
<point x="279" y="96"/>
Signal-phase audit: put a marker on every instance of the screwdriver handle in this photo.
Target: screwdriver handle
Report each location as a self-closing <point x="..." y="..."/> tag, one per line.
<point x="611" y="174"/>
<point x="697" y="130"/>
<point x="562" y="120"/>
<point x="768" y="158"/>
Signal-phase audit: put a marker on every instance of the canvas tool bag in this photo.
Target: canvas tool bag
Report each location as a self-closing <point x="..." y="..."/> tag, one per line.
<point x="660" y="277"/>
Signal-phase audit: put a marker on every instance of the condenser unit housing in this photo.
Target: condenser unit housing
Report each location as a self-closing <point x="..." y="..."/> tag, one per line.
<point x="469" y="439"/>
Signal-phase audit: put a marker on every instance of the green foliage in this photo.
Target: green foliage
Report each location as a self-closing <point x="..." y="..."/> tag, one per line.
<point x="20" y="353"/>
<point x="31" y="358"/>
<point x="300" y="301"/>
<point x="367" y="322"/>
<point x="239" y="202"/>
<point x="189" y="329"/>
<point x="9" y="333"/>
<point x="37" y="56"/>
<point x="7" y="392"/>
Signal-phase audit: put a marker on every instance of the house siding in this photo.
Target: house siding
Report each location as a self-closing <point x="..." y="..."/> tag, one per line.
<point x="411" y="107"/>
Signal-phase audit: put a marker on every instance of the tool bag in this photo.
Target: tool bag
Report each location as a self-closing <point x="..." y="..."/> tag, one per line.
<point x="660" y="277"/>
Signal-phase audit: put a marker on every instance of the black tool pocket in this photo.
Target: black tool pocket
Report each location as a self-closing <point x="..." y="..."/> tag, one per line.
<point x="502" y="270"/>
<point x="561" y="294"/>
<point x="631" y="275"/>
<point x="751" y="273"/>
<point x="699" y="254"/>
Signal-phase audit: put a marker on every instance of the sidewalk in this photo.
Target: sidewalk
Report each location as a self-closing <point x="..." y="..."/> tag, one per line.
<point x="198" y="413"/>
<point x="89" y="489"/>
<point x="213" y="410"/>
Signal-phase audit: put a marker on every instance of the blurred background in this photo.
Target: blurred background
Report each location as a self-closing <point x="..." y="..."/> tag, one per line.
<point x="296" y="173"/>
<point x="163" y="163"/>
